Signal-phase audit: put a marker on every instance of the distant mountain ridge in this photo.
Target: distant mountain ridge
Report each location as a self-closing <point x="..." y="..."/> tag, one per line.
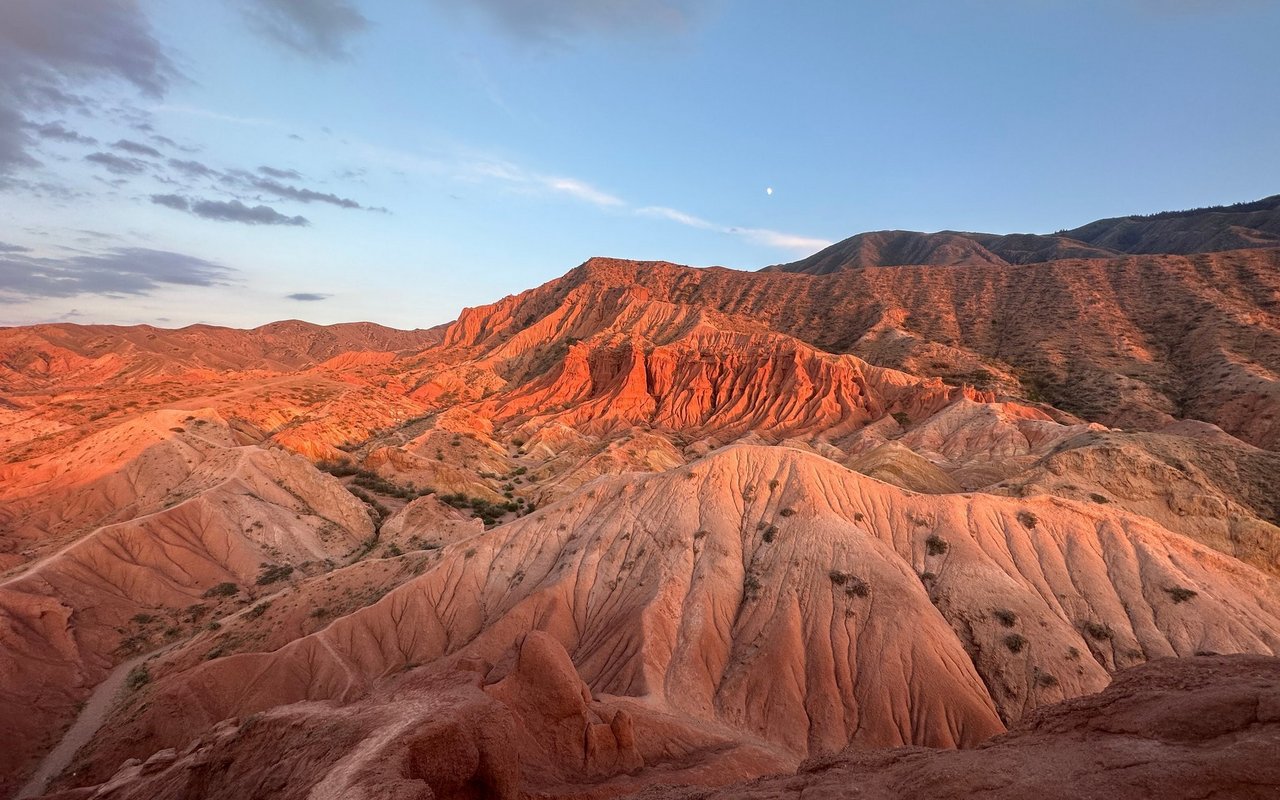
<point x="1203" y="230"/>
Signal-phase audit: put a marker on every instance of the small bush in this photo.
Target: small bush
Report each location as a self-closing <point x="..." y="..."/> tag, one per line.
<point x="769" y="533"/>
<point x="273" y="573"/>
<point x="901" y="418"/>
<point x="928" y="576"/>
<point x="700" y="534"/>
<point x="1097" y="498"/>
<point x="1097" y="630"/>
<point x="1006" y="617"/>
<point x="257" y="611"/>
<point x="1045" y="679"/>
<point x="338" y="469"/>
<point x="935" y="545"/>
<point x="226" y="589"/>
<point x="469" y="553"/>
<point x="750" y="585"/>
<point x="837" y="577"/>
<point x="1181" y="594"/>
<point x="857" y="587"/>
<point x="787" y="512"/>
<point x="138" y="677"/>
<point x="143" y="619"/>
<point x="1027" y="519"/>
<point x="1015" y="642"/>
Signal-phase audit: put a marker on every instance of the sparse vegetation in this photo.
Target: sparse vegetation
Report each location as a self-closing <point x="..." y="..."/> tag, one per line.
<point x="1181" y="594"/>
<point x="138" y="677"/>
<point x="273" y="573"/>
<point x="338" y="469"/>
<point x="1098" y="630"/>
<point x="1027" y="519"/>
<point x="935" y="545"/>
<point x="1045" y="679"/>
<point x="1005" y="617"/>
<point x="257" y="611"/>
<point x="901" y="418"/>
<point x="769" y="533"/>
<point x="1097" y="498"/>
<point x="787" y="512"/>
<point x="1015" y="642"/>
<point x="143" y="619"/>
<point x="225" y="589"/>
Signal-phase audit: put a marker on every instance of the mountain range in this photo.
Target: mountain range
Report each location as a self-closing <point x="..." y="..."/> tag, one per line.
<point x="921" y="515"/>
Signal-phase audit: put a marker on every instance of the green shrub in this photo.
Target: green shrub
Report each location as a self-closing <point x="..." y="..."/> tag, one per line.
<point x="857" y="587"/>
<point x="138" y="677"/>
<point x="1098" y="630"/>
<point x="935" y="545"/>
<point x="273" y="573"/>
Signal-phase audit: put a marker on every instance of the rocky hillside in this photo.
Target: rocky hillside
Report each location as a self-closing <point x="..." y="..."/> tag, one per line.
<point x="648" y="524"/>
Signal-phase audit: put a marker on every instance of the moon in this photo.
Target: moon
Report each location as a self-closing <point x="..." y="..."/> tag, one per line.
<point x="768" y="190"/>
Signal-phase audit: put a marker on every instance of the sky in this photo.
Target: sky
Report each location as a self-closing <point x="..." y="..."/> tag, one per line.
<point x="237" y="162"/>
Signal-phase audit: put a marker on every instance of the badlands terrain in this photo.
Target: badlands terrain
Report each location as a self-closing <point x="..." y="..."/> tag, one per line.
<point x="922" y="515"/>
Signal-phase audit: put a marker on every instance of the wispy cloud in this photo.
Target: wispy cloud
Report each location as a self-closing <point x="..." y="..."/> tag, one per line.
<point x="782" y="241"/>
<point x="49" y="49"/>
<point x="318" y="29"/>
<point x="282" y="174"/>
<point x="580" y="190"/>
<point x="473" y="168"/>
<point x="126" y="271"/>
<point x="228" y="211"/>
<point x="563" y="21"/>
<point x="760" y="236"/>
<point x="61" y="133"/>
<point x="137" y="148"/>
<point x="117" y="165"/>
<point x="662" y="212"/>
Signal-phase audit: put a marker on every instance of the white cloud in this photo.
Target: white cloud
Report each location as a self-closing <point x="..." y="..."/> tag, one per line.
<point x="760" y="236"/>
<point x="662" y="212"/>
<point x="583" y="191"/>
<point x="782" y="241"/>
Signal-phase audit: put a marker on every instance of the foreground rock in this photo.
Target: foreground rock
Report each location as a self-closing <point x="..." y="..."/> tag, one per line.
<point x="1204" y="727"/>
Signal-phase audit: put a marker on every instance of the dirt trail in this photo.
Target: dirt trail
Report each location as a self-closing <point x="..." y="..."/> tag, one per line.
<point x="82" y="730"/>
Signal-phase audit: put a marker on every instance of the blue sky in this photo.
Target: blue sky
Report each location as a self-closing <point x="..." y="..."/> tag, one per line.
<point x="177" y="162"/>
